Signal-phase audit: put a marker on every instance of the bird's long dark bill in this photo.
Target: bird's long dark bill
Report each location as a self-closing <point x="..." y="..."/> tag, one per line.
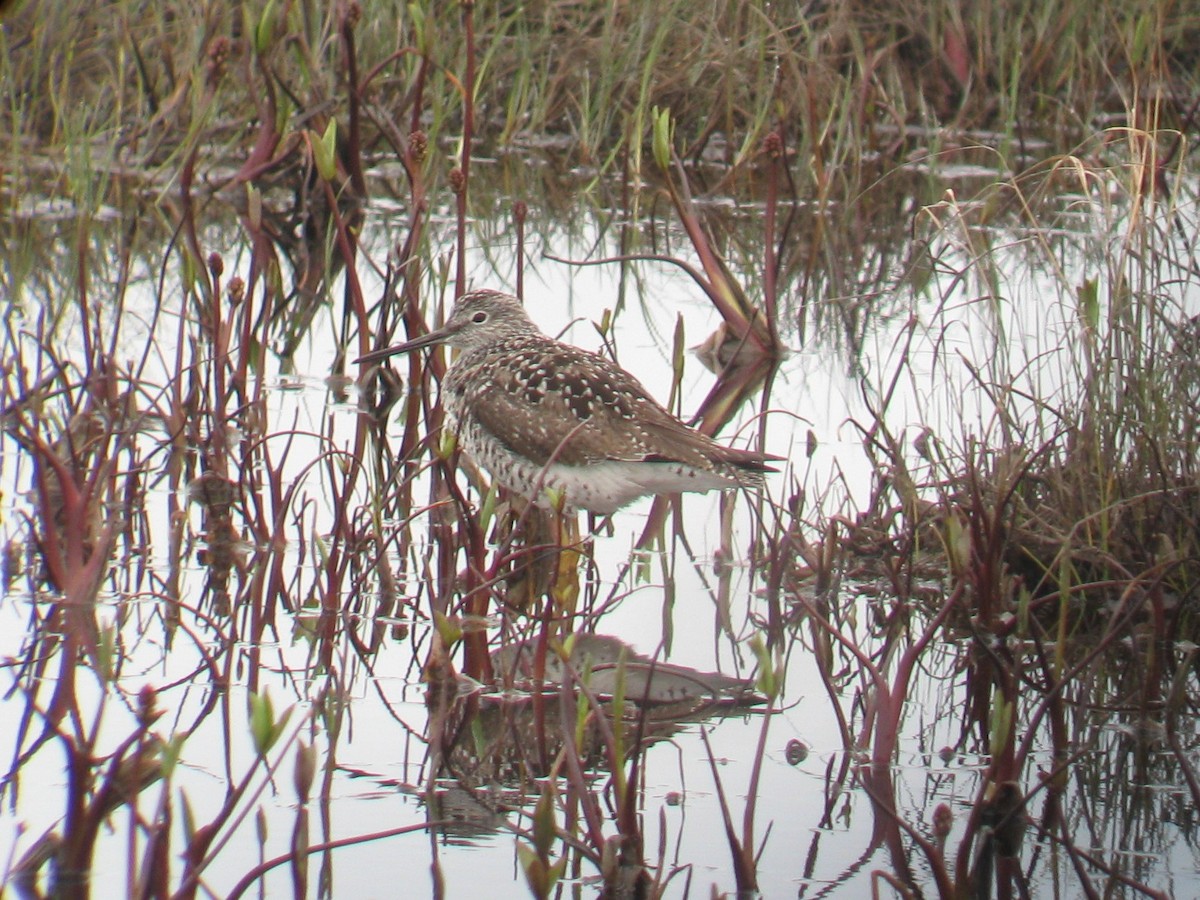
<point x="426" y="340"/>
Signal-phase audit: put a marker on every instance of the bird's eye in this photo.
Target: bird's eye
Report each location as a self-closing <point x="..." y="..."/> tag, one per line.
<point x="479" y="318"/>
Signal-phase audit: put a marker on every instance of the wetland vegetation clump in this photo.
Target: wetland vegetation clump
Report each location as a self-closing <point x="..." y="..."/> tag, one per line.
<point x="143" y="87"/>
<point x="966" y="607"/>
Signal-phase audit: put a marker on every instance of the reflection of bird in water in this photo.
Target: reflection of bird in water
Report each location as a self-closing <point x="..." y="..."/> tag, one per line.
<point x="544" y="416"/>
<point x="510" y="738"/>
<point x="604" y="661"/>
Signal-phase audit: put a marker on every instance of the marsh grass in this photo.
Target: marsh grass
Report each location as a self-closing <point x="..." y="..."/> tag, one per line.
<point x="1061" y="520"/>
<point x="1102" y="409"/>
<point x="155" y="84"/>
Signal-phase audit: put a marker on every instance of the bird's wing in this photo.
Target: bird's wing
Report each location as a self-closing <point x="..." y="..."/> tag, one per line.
<point x="689" y="444"/>
<point x="579" y="409"/>
<point x="536" y="431"/>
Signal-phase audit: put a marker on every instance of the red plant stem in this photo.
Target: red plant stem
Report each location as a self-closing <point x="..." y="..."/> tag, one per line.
<point x="247" y="880"/>
<point x="188" y="217"/>
<point x="743" y="857"/>
<point x="468" y="19"/>
<point x="576" y="782"/>
<point x="348" y="248"/>
<point x="81" y="279"/>
<point x="760" y="753"/>
<point x="353" y="158"/>
<point x="410" y="268"/>
<point x="715" y="284"/>
<point x="770" y="271"/>
<point x="477" y="662"/>
<point x="892" y="702"/>
<point x="268" y="136"/>
<point x="883" y="801"/>
<point x="418" y="92"/>
<point x="337" y="560"/>
<point x="520" y="210"/>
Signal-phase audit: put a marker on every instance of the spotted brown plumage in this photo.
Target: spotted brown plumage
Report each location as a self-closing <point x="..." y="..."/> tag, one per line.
<point x="538" y="413"/>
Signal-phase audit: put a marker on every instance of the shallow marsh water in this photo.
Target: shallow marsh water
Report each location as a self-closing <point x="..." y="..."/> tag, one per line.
<point x="362" y="704"/>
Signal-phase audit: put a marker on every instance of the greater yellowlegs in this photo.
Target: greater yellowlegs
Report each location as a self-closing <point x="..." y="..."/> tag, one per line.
<point x="548" y="420"/>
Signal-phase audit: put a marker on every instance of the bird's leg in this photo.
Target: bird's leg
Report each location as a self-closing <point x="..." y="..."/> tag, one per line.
<point x="565" y="586"/>
<point x="534" y="560"/>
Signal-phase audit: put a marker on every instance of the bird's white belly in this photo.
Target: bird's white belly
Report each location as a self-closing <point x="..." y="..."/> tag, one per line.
<point x="602" y="487"/>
